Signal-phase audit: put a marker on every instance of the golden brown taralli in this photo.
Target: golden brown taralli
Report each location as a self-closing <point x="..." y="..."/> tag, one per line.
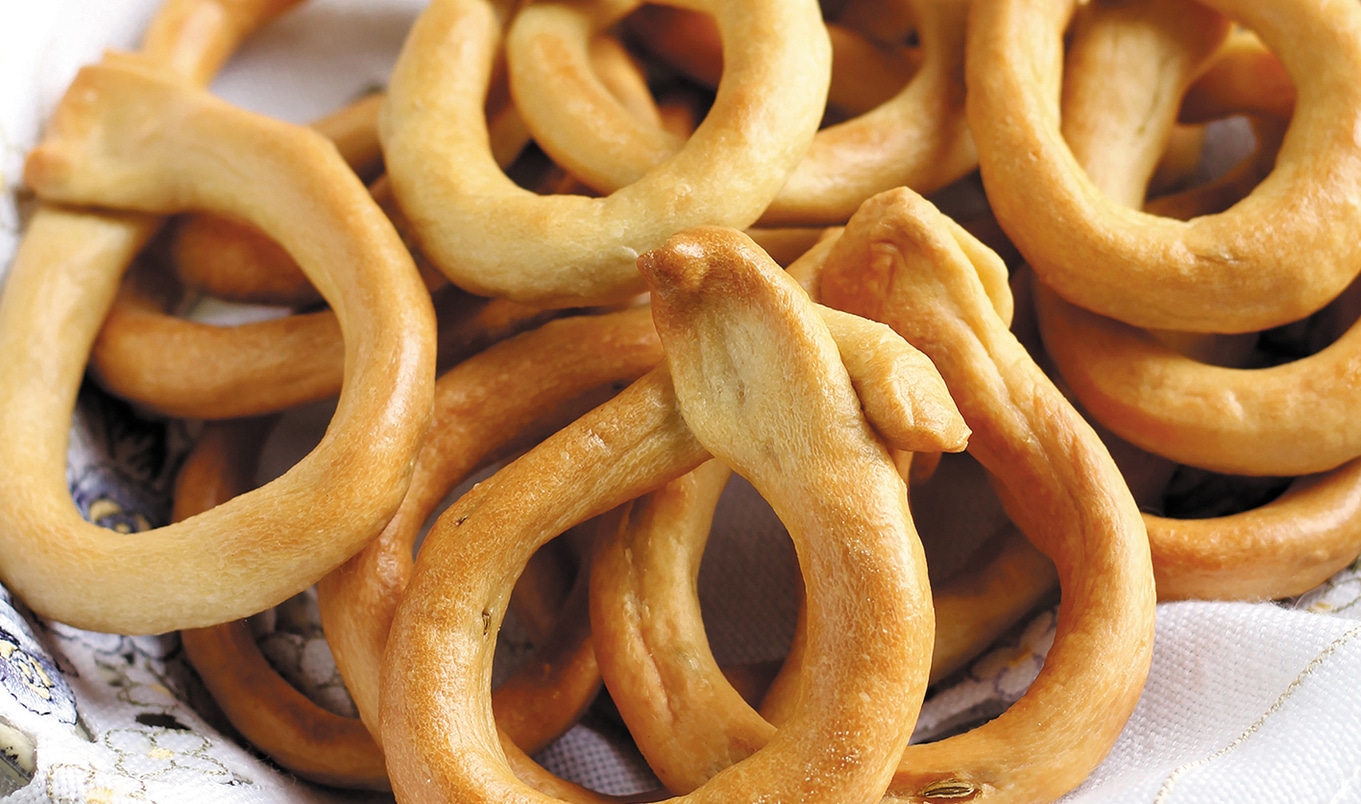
<point x="99" y="151"/>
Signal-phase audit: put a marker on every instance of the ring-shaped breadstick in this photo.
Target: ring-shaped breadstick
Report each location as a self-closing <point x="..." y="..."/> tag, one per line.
<point x="685" y="718"/>
<point x="482" y="406"/>
<point x="196" y="370"/>
<point x="516" y="386"/>
<point x="189" y="39"/>
<point x="268" y="544"/>
<point x="657" y="663"/>
<point x="898" y="260"/>
<point x="569" y="250"/>
<point x="268" y="711"/>
<point x="918" y="138"/>
<point x="1219" y="418"/>
<point x="870" y="668"/>
<point x="1164" y="402"/>
<point x="1274" y="257"/>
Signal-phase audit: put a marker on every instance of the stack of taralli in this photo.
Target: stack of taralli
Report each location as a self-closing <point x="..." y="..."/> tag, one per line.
<point x="579" y="248"/>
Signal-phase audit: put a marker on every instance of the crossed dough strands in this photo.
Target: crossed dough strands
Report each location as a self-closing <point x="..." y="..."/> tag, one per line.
<point x="493" y="238"/>
<point x="512" y="391"/>
<point x="191" y="369"/>
<point x="898" y="260"/>
<point x="1275" y="257"/>
<point x="917" y="138"/>
<point x="268" y="711"/>
<point x="869" y="665"/>
<point x="234" y="262"/>
<point x="299" y="191"/>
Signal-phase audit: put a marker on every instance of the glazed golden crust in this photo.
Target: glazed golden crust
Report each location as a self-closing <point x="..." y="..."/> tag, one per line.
<point x="1220" y="418"/>
<point x="494" y="401"/>
<point x="236" y="262"/>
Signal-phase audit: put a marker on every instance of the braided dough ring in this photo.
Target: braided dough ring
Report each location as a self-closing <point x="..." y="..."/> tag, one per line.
<point x="898" y="260"/>
<point x="271" y="543"/>
<point x="569" y="250"/>
<point x="268" y="711"/>
<point x="1273" y="258"/>
<point x="872" y="669"/>
<point x="917" y="138"/>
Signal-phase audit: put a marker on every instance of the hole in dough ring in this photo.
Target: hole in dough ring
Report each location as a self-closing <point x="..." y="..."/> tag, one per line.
<point x="275" y="541"/>
<point x="1273" y="258"/>
<point x="494" y="238"/>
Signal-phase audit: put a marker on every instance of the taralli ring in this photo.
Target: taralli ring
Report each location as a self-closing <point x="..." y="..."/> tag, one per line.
<point x="570" y="250"/>
<point x="872" y="670"/>
<point x="1274" y="257"/>
<point x="99" y="152"/>
<point x="898" y="261"/>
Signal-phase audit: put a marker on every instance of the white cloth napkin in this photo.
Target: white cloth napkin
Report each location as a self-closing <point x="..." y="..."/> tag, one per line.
<point x="1245" y="703"/>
